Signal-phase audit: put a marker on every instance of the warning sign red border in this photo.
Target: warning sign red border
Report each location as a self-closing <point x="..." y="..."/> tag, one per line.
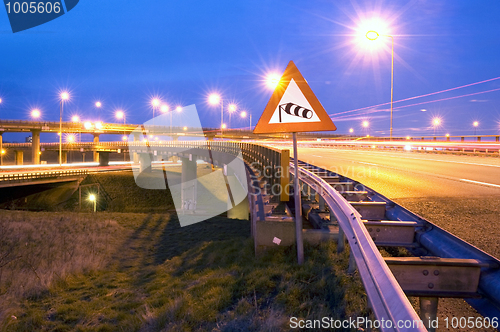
<point x="264" y="127"/>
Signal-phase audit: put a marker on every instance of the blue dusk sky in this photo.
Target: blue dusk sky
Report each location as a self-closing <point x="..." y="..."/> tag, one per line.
<point x="123" y="53"/>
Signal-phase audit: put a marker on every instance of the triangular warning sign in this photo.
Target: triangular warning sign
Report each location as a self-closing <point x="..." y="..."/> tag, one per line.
<point x="293" y="107"/>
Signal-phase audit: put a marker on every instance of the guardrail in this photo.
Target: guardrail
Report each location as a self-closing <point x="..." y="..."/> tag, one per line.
<point x="386" y="297"/>
<point x="38" y="175"/>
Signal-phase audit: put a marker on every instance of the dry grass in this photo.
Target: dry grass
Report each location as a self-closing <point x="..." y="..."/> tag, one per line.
<point x="138" y="272"/>
<point x="38" y="248"/>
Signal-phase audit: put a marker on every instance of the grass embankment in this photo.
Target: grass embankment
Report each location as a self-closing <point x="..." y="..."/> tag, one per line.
<point x="143" y="272"/>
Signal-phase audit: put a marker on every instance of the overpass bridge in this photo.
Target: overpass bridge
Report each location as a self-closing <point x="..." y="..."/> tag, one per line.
<point x="35" y="128"/>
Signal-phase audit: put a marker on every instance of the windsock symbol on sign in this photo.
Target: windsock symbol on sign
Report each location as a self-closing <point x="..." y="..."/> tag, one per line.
<point x="296" y="110"/>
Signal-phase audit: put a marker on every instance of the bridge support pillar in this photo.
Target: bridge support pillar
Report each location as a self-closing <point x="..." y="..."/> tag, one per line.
<point x="64" y="158"/>
<point x="1" y="149"/>
<point x="104" y="158"/>
<point x="145" y="162"/>
<point x="175" y="138"/>
<point x="135" y="155"/>
<point x="35" y="147"/>
<point x="189" y="183"/>
<point x="96" y="154"/>
<point x="19" y="157"/>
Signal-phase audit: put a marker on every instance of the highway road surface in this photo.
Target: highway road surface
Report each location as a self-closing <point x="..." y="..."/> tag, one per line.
<point x="459" y="193"/>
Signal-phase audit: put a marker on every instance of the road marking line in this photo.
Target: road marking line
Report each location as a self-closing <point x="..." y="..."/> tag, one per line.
<point x="423" y="159"/>
<point x="316" y="156"/>
<point x="483" y="183"/>
<point x="367" y="163"/>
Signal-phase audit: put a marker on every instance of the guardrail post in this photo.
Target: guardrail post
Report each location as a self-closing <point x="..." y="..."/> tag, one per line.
<point x="428" y="311"/>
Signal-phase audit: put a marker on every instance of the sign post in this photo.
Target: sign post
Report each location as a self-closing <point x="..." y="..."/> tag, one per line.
<point x="294" y="108"/>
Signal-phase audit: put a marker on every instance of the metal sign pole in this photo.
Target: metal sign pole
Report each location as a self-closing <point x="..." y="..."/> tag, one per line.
<point x="298" y="207"/>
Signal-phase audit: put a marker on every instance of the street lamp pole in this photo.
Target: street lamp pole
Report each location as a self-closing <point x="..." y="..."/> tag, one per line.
<point x="392" y="82"/>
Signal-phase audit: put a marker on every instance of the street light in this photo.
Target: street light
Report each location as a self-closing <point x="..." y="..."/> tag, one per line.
<point x="436" y="122"/>
<point x="98" y="104"/>
<point x="475" y="124"/>
<point x="215" y="99"/>
<point x="351" y="130"/>
<point x="75" y="118"/>
<point x="373" y="35"/>
<point x="35" y="114"/>
<point x="232" y="109"/>
<point x="64" y="97"/>
<point x="244" y="115"/>
<point x="272" y="80"/>
<point x="93" y="199"/>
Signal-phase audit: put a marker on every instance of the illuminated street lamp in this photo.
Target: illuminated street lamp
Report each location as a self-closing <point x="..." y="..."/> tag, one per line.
<point x="155" y="103"/>
<point x="215" y="99"/>
<point x="475" y="124"/>
<point x="231" y="109"/>
<point x="244" y="115"/>
<point x="373" y="35"/>
<point x="436" y="122"/>
<point x="351" y="130"/>
<point x="93" y="199"/>
<point x="272" y="80"/>
<point x="75" y="118"/>
<point x="64" y="96"/>
<point x="35" y="114"/>
<point x="98" y="104"/>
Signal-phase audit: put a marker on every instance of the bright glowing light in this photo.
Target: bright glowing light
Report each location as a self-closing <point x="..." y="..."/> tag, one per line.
<point x="476" y="123"/>
<point x="0" y="100"/>
<point x="119" y="114"/>
<point x="35" y="113"/>
<point x="98" y="104"/>
<point x="351" y="130"/>
<point x="92" y="197"/>
<point x="70" y="138"/>
<point x="408" y="137"/>
<point x="98" y="125"/>
<point x="164" y="108"/>
<point x="447" y="135"/>
<point x="87" y="125"/>
<point x="178" y="109"/>
<point x="243" y="114"/>
<point x="64" y="96"/>
<point x="366" y="124"/>
<point x="223" y="126"/>
<point x="3" y="151"/>
<point x="124" y="138"/>
<point x="272" y="80"/>
<point x="232" y="108"/>
<point x="407" y="147"/>
<point x="150" y="136"/>
<point x="436" y="121"/>
<point x="214" y="99"/>
<point x="372" y="35"/>
<point x="156" y="138"/>
<point x="185" y="128"/>
<point x="75" y="118"/>
<point x="155" y="102"/>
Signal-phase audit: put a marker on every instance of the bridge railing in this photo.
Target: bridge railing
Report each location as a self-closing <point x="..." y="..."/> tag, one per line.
<point x="38" y="175"/>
